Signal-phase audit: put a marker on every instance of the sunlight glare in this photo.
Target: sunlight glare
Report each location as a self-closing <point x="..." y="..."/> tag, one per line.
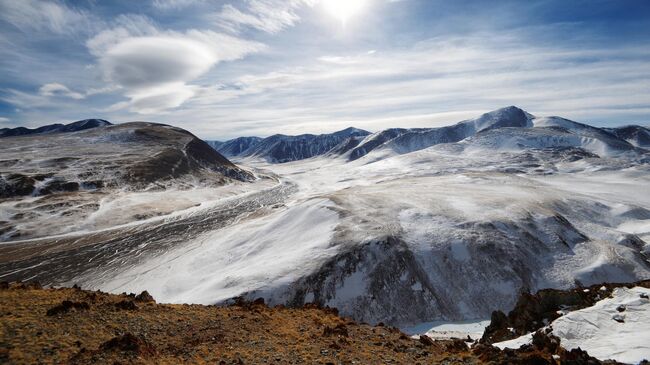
<point x="343" y="9"/>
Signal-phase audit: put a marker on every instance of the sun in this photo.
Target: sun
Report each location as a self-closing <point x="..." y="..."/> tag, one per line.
<point x="343" y="10"/>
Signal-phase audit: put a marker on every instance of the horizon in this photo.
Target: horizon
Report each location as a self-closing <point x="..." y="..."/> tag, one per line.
<point x="261" y="67"/>
<point x="440" y="125"/>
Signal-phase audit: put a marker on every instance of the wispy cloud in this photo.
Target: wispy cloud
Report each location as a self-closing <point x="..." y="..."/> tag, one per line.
<point x="56" y="89"/>
<point x="228" y="68"/>
<point x="461" y="77"/>
<point x="173" y="4"/>
<point x="48" y="16"/>
<point x="271" y="16"/>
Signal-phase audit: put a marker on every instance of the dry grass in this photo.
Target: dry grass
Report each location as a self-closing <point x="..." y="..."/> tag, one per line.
<point x="171" y="334"/>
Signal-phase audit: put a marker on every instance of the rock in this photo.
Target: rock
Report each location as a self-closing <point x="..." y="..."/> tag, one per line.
<point x="339" y="330"/>
<point x="545" y="342"/>
<point x="532" y="311"/>
<point x="620" y="318"/>
<point x="126" y="305"/>
<point x="16" y="185"/>
<point x="456" y="346"/>
<point x="56" y="186"/>
<point x="129" y="343"/>
<point x="67" y="306"/>
<point x="144" y="297"/>
<point x="426" y="340"/>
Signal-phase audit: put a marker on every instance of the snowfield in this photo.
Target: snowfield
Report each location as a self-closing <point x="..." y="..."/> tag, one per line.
<point x="614" y="328"/>
<point x="257" y="254"/>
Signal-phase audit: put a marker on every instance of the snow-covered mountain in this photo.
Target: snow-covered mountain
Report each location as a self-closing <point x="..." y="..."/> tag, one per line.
<point x="402" y="226"/>
<point x="235" y="147"/>
<point x="514" y="127"/>
<point x="504" y="128"/>
<point x="280" y="148"/>
<point x="634" y="134"/>
<point x="67" y="175"/>
<point x="55" y="128"/>
<point x="409" y="140"/>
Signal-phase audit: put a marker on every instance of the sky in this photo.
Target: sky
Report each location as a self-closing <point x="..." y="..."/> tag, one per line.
<point x="223" y="69"/>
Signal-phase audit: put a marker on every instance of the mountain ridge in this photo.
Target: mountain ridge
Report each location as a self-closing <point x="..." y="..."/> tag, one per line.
<point x="359" y="143"/>
<point x="55" y="128"/>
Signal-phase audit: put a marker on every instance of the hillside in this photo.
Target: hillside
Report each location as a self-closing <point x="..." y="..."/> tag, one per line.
<point x="76" y="326"/>
<point x="68" y="175"/>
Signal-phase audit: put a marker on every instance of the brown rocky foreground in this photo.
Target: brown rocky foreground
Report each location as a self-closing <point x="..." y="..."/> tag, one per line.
<point x="75" y="326"/>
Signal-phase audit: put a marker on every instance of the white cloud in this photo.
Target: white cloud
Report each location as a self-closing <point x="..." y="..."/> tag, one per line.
<point x="56" y="89"/>
<point x="46" y="16"/>
<point x="433" y="83"/>
<point x="271" y="16"/>
<point x="155" y="67"/>
<point x="123" y="27"/>
<point x="173" y="4"/>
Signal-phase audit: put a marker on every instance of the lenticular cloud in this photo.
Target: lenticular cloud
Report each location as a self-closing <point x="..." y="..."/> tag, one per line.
<point x="155" y="68"/>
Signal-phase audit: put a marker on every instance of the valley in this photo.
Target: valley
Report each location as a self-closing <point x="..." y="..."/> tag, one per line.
<point x="396" y="232"/>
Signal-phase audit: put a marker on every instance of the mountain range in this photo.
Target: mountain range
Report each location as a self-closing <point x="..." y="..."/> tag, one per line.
<point x="54" y="128"/>
<point x="515" y="128"/>
<point x="404" y="226"/>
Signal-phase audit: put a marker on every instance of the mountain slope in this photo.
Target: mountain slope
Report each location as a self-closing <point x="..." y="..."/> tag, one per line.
<point x="409" y="140"/>
<point x="515" y="123"/>
<point x="636" y="135"/>
<point x="55" y="128"/>
<point x="70" y="173"/>
<point x="237" y="146"/>
<point x="76" y="326"/>
<point x="282" y="148"/>
<point x="447" y="232"/>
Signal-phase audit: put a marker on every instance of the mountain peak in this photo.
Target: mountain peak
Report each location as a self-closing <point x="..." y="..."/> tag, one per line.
<point x="510" y="116"/>
<point x="352" y="131"/>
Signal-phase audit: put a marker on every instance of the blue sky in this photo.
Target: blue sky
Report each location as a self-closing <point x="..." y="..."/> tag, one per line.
<point x="256" y="67"/>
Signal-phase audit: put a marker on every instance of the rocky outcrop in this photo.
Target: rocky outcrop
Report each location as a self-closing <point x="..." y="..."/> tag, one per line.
<point x="534" y="311"/>
<point x="245" y="333"/>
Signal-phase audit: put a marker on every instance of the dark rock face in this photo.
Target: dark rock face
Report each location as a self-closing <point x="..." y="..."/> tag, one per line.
<point x="55" y="128"/>
<point x="16" y="185"/>
<point x="144" y="297"/>
<point x="235" y="147"/>
<point x="634" y="134"/>
<point x="281" y="148"/>
<point x="375" y="141"/>
<point x="55" y="186"/>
